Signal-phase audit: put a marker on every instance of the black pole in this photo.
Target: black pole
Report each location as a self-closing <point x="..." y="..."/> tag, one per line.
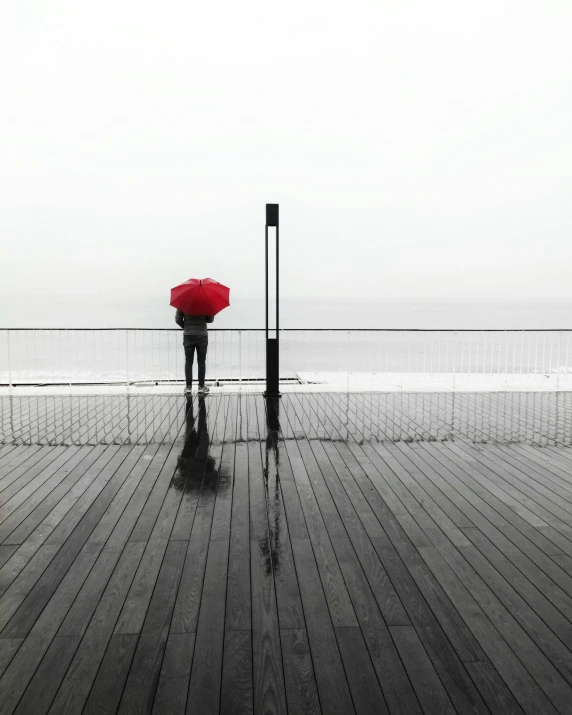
<point x="272" y="345"/>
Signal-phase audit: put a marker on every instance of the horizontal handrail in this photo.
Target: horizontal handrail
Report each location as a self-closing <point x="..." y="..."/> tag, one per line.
<point x="333" y="330"/>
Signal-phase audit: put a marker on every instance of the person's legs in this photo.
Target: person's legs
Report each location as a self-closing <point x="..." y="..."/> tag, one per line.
<point x="189" y="357"/>
<point x="202" y="361"/>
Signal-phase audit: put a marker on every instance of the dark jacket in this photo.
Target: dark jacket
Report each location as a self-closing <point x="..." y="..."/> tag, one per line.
<point x="193" y="324"/>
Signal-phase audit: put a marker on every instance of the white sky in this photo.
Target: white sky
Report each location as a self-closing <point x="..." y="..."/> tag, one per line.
<point x="417" y="149"/>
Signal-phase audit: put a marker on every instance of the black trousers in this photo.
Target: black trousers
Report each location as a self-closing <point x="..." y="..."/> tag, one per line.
<point x="200" y="344"/>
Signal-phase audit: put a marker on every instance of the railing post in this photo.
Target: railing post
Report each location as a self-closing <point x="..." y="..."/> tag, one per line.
<point x="9" y="360"/>
<point x="559" y="359"/>
<point x="348" y="364"/>
<point x="240" y="356"/>
<point x="454" y="358"/>
<point x="127" y="359"/>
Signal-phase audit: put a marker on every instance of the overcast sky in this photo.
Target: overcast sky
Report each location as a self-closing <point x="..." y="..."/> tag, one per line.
<point x="416" y="149"/>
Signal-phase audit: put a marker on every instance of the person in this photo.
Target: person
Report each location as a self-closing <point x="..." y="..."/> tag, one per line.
<point x="195" y="337"/>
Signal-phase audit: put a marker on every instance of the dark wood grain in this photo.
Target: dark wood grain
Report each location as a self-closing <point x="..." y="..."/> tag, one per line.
<point x="269" y="689"/>
<point x="236" y="696"/>
<point x="205" y="680"/>
<point x="430" y="691"/>
<point x="143" y="678"/>
<point x="43" y="686"/>
<point x="319" y="553"/>
<point x="331" y="679"/>
<point x="108" y="687"/>
<point x="238" y="609"/>
<point x="8" y="649"/>
<point x="493" y="689"/>
<point x="80" y="676"/>
<point x="35" y="601"/>
<point x="392" y="677"/>
<point x="171" y="695"/>
<point x="301" y="691"/>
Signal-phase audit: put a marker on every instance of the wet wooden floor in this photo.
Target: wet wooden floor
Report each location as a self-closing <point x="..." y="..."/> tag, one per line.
<point x="334" y="553"/>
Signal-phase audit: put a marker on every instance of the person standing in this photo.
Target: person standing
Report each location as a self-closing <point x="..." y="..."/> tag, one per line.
<point x="195" y="337"/>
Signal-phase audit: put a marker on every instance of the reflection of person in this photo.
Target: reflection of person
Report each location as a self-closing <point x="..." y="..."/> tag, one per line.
<point x="194" y="432"/>
<point x="195" y="467"/>
<point x="195" y="337"/>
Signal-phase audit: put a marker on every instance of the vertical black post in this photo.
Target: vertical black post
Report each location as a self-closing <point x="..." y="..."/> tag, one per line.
<point x="272" y="344"/>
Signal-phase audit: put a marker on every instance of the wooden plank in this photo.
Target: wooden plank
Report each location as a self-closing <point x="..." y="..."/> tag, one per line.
<point x="429" y="689"/>
<point x="80" y="676"/>
<point x="120" y="515"/>
<point x="238" y="608"/>
<point x="17" y="459"/>
<point x="126" y="522"/>
<point x="289" y="603"/>
<point x="336" y="593"/>
<point x="148" y="515"/>
<point x="391" y="607"/>
<point x="187" y="606"/>
<point x="135" y="607"/>
<point x="32" y="478"/>
<point x="17" y="590"/>
<point x="102" y="484"/>
<point x="518" y="593"/>
<point x="456" y="630"/>
<point x="467" y="475"/>
<point x="544" y="473"/>
<point x="509" y="623"/>
<point x="392" y="677"/>
<point x="42" y="532"/>
<point x="565" y="562"/>
<point x="236" y="697"/>
<point x="459" y="686"/>
<point x="143" y="677"/>
<point x="205" y="681"/>
<point x="514" y="482"/>
<point x="301" y="690"/>
<point x="22" y="521"/>
<point x="171" y="695"/>
<point x="451" y="672"/>
<point x="43" y="686"/>
<point x="493" y="689"/>
<point x="8" y="649"/>
<point x="25" y="662"/>
<point x="268" y="678"/>
<point x="26" y="468"/>
<point x="332" y="684"/>
<point x="505" y="661"/>
<point x="88" y="598"/>
<point x="546" y="575"/>
<point x="63" y="497"/>
<point x="223" y="504"/>
<point x="366" y="693"/>
<point x="35" y="601"/>
<point x="536" y="514"/>
<point x="108" y="687"/>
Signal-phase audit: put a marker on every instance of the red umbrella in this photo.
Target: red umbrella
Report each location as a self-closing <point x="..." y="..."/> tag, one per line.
<point x="200" y="296"/>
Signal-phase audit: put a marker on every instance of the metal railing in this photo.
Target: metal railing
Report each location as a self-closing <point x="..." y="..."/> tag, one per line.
<point x="344" y="357"/>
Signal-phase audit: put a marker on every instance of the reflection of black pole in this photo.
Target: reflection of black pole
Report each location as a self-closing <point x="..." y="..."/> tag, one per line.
<point x="272" y="350"/>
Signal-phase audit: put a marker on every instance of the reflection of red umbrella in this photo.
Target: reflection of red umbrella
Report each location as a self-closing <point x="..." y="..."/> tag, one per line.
<point x="202" y="296"/>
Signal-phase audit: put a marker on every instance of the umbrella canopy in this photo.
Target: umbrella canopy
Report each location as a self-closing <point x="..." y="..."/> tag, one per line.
<point x="200" y="296"/>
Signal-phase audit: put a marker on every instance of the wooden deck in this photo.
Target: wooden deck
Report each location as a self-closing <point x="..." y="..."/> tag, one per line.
<point x="334" y="553"/>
